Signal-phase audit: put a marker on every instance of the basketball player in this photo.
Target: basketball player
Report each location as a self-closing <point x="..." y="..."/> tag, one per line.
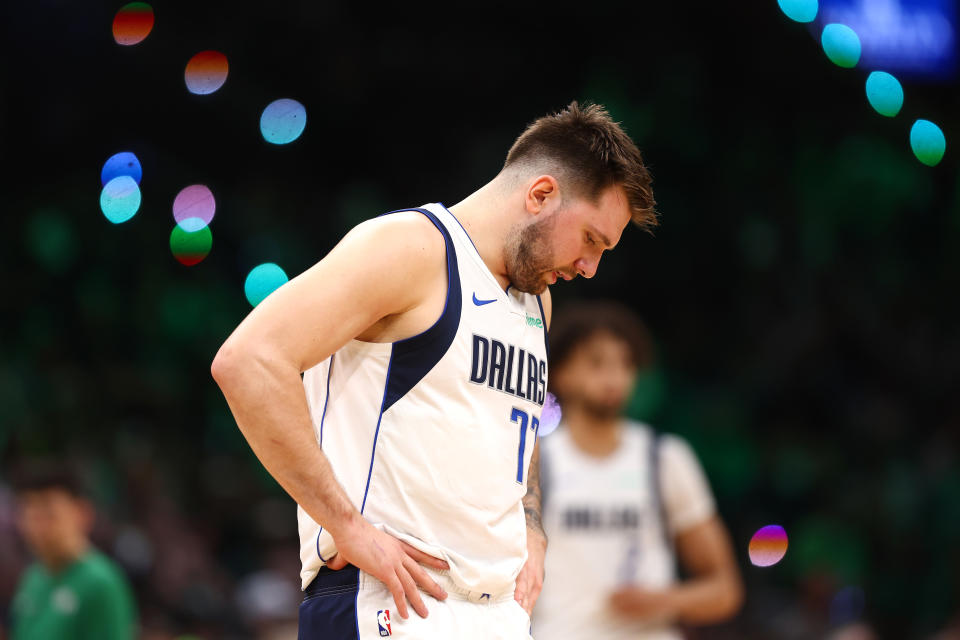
<point x="622" y="501"/>
<point x="410" y="443"/>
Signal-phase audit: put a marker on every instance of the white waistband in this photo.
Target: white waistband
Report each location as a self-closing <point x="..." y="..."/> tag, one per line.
<point x="442" y="577"/>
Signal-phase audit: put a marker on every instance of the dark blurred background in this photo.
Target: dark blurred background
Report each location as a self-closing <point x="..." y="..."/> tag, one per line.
<point x="802" y="287"/>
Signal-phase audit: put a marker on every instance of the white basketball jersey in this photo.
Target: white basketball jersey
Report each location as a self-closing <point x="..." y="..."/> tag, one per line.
<point x="606" y="528"/>
<point x="431" y="436"/>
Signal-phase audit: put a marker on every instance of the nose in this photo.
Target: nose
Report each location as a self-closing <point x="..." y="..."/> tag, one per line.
<point x="586" y="268"/>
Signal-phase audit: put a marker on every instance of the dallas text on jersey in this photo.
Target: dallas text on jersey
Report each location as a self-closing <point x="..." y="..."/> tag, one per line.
<point x="502" y="366"/>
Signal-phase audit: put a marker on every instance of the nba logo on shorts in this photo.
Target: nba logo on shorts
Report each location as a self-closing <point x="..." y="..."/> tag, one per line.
<point x="383" y="621"/>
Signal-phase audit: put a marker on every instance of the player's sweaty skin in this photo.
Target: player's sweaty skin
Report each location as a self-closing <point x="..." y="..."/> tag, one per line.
<point x="344" y="298"/>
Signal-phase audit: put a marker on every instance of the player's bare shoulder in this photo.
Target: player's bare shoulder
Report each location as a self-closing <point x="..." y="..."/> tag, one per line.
<point x="412" y="252"/>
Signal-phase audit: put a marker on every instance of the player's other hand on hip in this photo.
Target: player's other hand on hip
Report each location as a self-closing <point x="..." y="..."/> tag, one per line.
<point x="393" y="562"/>
<point x="648" y="605"/>
<point x="530" y="579"/>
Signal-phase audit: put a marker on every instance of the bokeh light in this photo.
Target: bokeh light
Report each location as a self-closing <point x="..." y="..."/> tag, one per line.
<point x="799" y="10"/>
<point x="283" y="121"/>
<point x="847" y="605"/>
<point x="206" y="72"/>
<point x="194" y="207"/>
<point x="263" y="280"/>
<point x="120" y="199"/>
<point x="841" y="44"/>
<point x="124" y="163"/>
<point x="133" y="23"/>
<point x="52" y="240"/>
<point x="768" y="546"/>
<point x="190" y="247"/>
<point x="550" y="415"/>
<point x="928" y="142"/>
<point x="884" y="93"/>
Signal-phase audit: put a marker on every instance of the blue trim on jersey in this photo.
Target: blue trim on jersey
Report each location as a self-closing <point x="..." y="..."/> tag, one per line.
<point x="462" y="227"/>
<point x="326" y="399"/>
<point x="373" y="453"/>
<point x="414" y="357"/>
<point x="322" y="559"/>
<point x="543" y="317"/>
<point x="323" y="416"/>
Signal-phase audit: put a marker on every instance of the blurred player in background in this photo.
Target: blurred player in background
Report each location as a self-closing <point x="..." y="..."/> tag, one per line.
<point x="410" y="443"/>
<point x="621" y="503"/>
<point x="73" y="591"/>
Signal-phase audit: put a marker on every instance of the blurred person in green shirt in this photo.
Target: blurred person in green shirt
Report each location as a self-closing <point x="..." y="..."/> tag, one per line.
<point x="72" y="591"/>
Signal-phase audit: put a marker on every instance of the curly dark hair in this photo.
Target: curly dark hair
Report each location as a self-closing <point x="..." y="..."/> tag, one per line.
<point x="577" y="322"/>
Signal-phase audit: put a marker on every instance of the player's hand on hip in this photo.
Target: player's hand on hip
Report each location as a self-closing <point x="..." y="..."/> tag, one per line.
<point x="530" y="579"/>
<point x="649" y="605"/>
<point x="391" y="561"/>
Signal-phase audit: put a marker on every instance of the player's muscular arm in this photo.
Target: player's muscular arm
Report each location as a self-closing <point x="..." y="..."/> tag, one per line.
<point x="715" y="592"/>
<point x="532" y="508"/>
<point x="377" y="281"/>
<point x="530" y="579"/>
<point x="712" y="595"/>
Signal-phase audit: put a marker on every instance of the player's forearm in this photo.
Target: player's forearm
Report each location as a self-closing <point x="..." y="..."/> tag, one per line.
<point x="267" y="400"/>
<point x="533" y="500"/>
<point x="707" y="599"/>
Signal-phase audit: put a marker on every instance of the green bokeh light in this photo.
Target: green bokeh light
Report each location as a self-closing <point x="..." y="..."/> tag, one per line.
<point x="190" y="247"/>
<point x="884" y="93"/>
<point x="841" y="44"/>
<point x="928" y="142"/>
<point x="51" y="240"/>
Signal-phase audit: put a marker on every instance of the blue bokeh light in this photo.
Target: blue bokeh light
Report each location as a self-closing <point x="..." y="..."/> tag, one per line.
<point x="884" y="93"/>
<point x="928" y="142"/>
<point x="120" y="199"/>
<point x="263" y="280"/>
<point x="124" y="163"/>
<point x="283" y="121"/>
<point x="841" y="44"/>
<point x="908" y="37"/>
<point x="799" y="10"/>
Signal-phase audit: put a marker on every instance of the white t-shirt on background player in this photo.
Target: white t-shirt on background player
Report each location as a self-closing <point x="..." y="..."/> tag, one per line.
<point x="605" y="528"/>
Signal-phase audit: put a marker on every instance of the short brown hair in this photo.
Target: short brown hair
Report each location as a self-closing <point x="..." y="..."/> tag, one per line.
<point x="46" y="474"/>
<point x="594" y="152"/>
<point x="576" y="323"/>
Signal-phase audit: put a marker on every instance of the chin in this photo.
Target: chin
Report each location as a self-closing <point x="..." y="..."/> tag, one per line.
<point x="604" y="410"/>
<point x="535" y="289"/>
<point x="540" y="288"/>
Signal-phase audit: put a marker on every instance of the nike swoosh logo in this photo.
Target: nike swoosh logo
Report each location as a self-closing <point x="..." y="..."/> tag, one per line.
<point x="480" y="303"/>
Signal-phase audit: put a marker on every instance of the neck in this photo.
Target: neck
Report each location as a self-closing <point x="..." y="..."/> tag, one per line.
<point x="66" y="555"/>
<point x="486" y="216"/>
<point x="594" y="435"/>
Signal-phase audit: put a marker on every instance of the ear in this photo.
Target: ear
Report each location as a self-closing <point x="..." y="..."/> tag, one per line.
<point x="559" y="380"/>
<point x="86" y="515"/>
<point x="540" y="192"/>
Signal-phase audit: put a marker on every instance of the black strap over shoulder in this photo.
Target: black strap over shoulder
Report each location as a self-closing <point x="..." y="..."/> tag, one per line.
<point x="656" y="488"/>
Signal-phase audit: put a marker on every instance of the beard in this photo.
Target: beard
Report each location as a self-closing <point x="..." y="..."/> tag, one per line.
<point x="596" y="408"/>
<point x="528" y="255"/>
<point x="600" y="410"/>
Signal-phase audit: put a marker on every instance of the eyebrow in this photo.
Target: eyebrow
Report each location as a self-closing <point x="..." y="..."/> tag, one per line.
<point x="604" y="239"/>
